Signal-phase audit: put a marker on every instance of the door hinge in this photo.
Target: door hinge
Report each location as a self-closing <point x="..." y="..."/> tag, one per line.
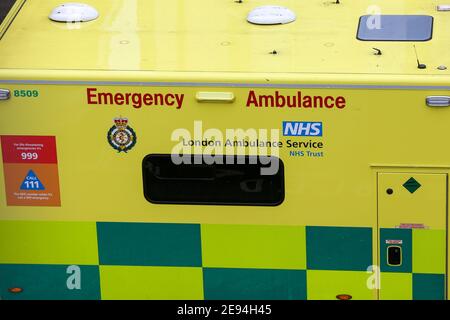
<point x="438" y="101"/>
<point x="4" y="94"/>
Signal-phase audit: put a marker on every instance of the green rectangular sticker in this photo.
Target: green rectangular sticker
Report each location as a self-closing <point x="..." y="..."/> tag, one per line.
<point x="49" y="282"/>
<point x="149" y="244"/>
<point x="339" y="248"/>
<point x="428" y="286"/>
<point x="254" y="284"/>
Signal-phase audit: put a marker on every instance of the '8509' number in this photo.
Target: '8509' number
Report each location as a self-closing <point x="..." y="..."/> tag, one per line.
<point x="26" y="93"/>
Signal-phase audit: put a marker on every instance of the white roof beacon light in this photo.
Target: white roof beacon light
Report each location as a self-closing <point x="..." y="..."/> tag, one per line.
<point x="73" y="12"/>
<point x="269" y="15"/>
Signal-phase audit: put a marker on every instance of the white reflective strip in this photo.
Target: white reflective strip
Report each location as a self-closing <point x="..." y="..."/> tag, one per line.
<point x="443" y="7"/>
<point x="228" y="85"/>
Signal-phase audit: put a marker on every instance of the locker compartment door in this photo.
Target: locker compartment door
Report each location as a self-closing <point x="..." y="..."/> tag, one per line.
<point x="412" y="235"/>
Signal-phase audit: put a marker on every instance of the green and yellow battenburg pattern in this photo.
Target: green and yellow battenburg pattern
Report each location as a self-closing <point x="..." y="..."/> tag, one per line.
<point x="421" y="276"/>
<point x="192" y="261"/>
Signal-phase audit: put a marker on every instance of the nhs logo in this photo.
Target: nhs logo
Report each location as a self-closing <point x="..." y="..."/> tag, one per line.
<point x="302" y="128"/>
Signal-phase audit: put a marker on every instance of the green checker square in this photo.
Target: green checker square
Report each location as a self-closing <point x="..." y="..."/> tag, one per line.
<point x="254" y="284"/>
<point x="326" y="285"/>
<point x="253" y="246"/>
<point x="396" y="286"/>
<point x="151" y="283"/>
<point x="429" y="251"/>
<point x="389" y="235"/>
<point x="49" y="282"/>
<point x="338" y="248"/>
<point x="149" y="244"/>
<point x="428" y="286"/>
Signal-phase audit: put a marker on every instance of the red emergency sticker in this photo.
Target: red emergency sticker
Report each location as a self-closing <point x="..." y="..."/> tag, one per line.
<point x="28" y="149"/>
<point x="31" y="170"/>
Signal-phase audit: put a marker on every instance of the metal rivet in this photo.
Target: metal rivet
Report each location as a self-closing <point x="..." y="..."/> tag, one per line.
<point x="442" y="68"/>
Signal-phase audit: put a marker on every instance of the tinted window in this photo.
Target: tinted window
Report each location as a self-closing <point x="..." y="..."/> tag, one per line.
<point x="219" y="184"/>
<point x="5" y="5"/>
<point x="395" y="28"/>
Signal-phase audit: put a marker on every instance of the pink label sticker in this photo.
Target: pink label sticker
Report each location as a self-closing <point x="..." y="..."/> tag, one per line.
<point x="394" y="241"/>
<point x="411" y="226"/>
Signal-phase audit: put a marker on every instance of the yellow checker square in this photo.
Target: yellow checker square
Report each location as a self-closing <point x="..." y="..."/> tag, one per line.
<point x="327" y="285"/>
<point x="429" y="251"/>
<point x="151" y="283"/>
<point x="250" y="246"/>
<point x="395" y="286"/>
<point x="36" y="242"/>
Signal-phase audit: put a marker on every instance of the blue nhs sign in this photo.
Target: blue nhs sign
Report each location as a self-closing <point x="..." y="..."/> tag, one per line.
<point x="302" y="128"/>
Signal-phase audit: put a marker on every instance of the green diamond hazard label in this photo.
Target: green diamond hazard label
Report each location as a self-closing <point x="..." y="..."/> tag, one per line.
<point x="412" y="185"/>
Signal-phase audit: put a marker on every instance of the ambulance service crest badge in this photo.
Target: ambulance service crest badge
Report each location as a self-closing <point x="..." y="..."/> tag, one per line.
<point x="121" y="136"/>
